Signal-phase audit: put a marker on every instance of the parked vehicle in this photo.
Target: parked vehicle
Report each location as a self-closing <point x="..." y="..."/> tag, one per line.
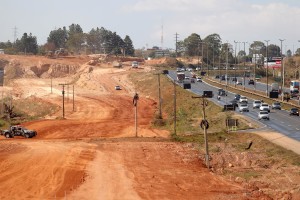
<point x="117" y="87"/>
<point x="276" y="105"/>
<point x="263" y="115"/>
<point x="243" y="108"/>
<point x="294" y="111"/>
<point x="264" y="107"/>
<point x="256" y="104"/>
<point x="18" y="131"/>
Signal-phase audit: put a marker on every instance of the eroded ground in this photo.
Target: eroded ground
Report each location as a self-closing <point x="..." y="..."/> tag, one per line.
<point x="93" y="153"/>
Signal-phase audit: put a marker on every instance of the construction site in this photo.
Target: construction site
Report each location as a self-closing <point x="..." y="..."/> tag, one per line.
<point x="88" y="145"/>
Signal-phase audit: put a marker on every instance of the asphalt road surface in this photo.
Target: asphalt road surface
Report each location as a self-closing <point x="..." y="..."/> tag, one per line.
<point x="280" y="120"/>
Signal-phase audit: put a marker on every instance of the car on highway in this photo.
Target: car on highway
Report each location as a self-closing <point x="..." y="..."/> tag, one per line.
<point x="234" y="79"/>
<point x="237" y="97"/>
<point x="294" y="111"/>
<point x="117" y="87"/>
<point x="263" y="115"/>
<point x="234" y="102"/>
<point x="222" y="92"/>
<point x="276" y="106"/>
<point x="243" y="99"/>
<point x="238" y="82"/>
<point x="256" y="104"/>
<point x="251" y="82"/>
<point x="199" y="79"/>
<point x="192" y="80"/>
<point x="264" y="107"/>
<point x="243" y="107"/>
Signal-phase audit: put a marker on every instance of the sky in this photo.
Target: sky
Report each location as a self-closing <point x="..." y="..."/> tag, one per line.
<point x="147" y="21"/>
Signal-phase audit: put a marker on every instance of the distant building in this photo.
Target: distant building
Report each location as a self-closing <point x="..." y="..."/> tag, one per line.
<point x="257" y="58"/>
<point x="1" y="51"/>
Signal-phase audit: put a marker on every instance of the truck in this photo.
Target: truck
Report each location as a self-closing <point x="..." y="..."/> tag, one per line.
<point x="18" y="130"/>
<point x="180" y="77"/>
<point x="275" y="88"/>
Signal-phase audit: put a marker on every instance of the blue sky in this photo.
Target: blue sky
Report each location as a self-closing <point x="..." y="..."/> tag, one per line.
<point x="239" y="20"/>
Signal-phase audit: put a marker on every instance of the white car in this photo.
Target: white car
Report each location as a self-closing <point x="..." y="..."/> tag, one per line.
<point x="263" y="115"/>
<point x="198" y="79"/>
<point x="243" y="108"/>
<point x="135" y="64"/>
<point x="243" y="99"/>
<point x="264" y="107"/>
<point x="256" y="104"/>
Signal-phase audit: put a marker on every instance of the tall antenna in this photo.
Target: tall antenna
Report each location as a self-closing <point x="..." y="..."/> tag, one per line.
<point x="15" y="33"/>
<point x="162" y="35"/>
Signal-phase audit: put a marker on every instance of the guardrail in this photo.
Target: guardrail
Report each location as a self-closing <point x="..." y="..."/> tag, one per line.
<point x="254" y="93"/>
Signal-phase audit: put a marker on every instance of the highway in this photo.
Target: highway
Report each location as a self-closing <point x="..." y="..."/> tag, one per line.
<point x="280" y="120"/>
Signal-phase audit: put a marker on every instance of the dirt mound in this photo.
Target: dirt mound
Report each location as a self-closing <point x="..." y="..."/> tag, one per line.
<point x="164" y="62"/>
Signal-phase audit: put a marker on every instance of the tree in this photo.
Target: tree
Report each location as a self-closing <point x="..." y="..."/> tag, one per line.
<point x="289" y="53"/>
<point x="273" y="50"/>
<point x="192" y="45"/>
<point x="257" y="47"/>
<point x="27" y="44"/>
<point x="213" y="46"/>
<point x="75" y="38"/>
<point x="57" y="39"/>
<point x="128" y="46"/>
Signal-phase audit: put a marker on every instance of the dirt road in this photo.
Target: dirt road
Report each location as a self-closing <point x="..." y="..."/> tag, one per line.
<point x="93" y="154"/>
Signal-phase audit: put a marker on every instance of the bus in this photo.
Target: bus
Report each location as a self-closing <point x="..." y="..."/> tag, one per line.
<point x="294" y="86"/>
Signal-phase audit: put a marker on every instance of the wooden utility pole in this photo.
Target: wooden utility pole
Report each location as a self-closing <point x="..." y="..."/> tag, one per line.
<point x="135" y="103"/>
<point x="73" y="100"/>
<point x="159" y="96"/>
<point x="63" y="94"/>
<point x="175" y="107"/>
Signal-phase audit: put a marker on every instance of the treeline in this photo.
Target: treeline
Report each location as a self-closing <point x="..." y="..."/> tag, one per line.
<point x="98" y="40"/>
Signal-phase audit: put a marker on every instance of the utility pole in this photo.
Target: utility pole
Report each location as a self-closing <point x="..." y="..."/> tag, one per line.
<point x="159" y="96"/>
<point x="267" y="70"/>
<point x="175" y="117"/>
<point x="244" y="65"/>
<point x="235" y="42"/>
<point x="204" y="124"/>
<point x="282" y="70"/>
<point x="73" y="100"/>
<point x="63" y="94"/>
<point x="176" y="43"/>
<point x="135" y="103"/>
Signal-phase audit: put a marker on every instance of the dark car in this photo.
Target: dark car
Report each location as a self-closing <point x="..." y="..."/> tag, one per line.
<point x="234" y="79"/>
<point x="234" y="102"/>
<point x="237" y="97"/>
<point x="222" y="92"/>
<point x="294" y="111"/>
<point x="251" y="82"/>
<point x="217" y="77"/>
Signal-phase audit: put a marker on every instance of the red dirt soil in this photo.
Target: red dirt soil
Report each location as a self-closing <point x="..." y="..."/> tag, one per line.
<point x="93" y="154"/>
